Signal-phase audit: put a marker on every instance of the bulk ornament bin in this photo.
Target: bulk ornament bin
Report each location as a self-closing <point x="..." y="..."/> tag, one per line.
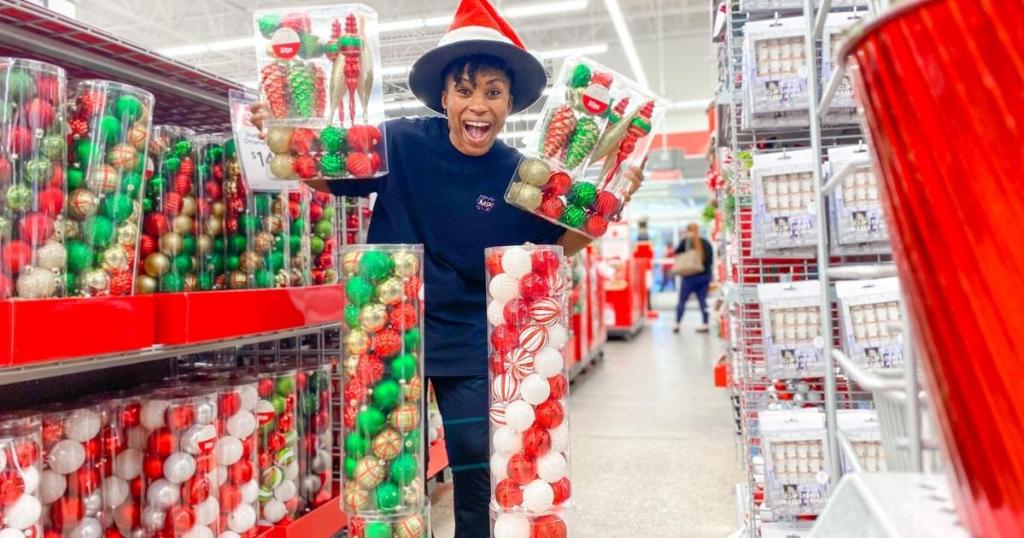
<point x="72" y="471"/>
<point x="528" y="320"/>
<point x="22" y="453"/>
<point x="409" y="525"/>
<point x="276" y="417"/>
<point x="315" y="441"/>
<point x="33" y="160"/>
<point x="318" y="72"/>
<point x="217" y="270"/>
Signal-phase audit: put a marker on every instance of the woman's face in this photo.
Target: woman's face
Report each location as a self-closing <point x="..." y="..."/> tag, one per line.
<point x="477" y="110"/>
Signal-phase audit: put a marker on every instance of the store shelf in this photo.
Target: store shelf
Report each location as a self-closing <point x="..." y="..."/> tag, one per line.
<point x="326" y="520"/>
<point x="185" y="95"/>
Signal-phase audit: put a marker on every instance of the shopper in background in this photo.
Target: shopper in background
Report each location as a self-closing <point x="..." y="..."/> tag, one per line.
<point x="668" y="278"/>
<point x="698" y="283"/>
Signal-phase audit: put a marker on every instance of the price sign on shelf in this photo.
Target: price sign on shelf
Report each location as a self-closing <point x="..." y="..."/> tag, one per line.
<point x="253" y="153"/>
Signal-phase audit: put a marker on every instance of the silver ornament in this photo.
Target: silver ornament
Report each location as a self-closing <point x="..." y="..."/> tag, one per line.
<point x="51" y="256"/>
<point x="36" y="283"/>
<point x="311" y="484"/>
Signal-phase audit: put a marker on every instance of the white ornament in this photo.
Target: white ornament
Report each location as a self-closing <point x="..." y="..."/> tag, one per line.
<point x="250" y="491"/>
<point x="242" y="519"/>
<point x="153" y="518"/>
<point x="30" y="477"/>
<point x="198" y="438"/>
<point x="507" y="441"/>
<point x="115" y="491"/>
<point x="128" y="464"/>
<point x="229" y="450"/>
<point x="229" y="534"/>
<point x="51" y="486"/>
<point x="552" y="467"/>
<point x="179" y="467"/>
<point x="504" y="288"/>
<point x="93" y="503"/>
<point x="82" y="425"/>
<point x="538" y="496"/>
<point x="560" y="438"/>
<point x="557" y="336"/>
<point x="519" y="416"/>
<point x="207" y="511"/>
<point x="548" y="362"/>
<point x="137" y="437"/>
<point x="88" y="528"/>
<point x="432" y="435"/>
<point x="163" y="494"/>
<point x="23" y="513"/>
<point x="499" y="466"/>
<point x="242" y="424"/>
<point x="496" y="313"/>
<point x="291" y="471"/>
<point x="66" y="456"/>
<point x="152" y="415"/>
<point x="285" y="491"/>
<point x="535" y="389"/>
<point x="274" y="511"/>
<point x="199" y="531"/>
<point x="248" y="396"/>
<point x="222" y="475"/>
<point x="206" y="412"/>
<point x="3" y="461"/>
<point x="511" y="526"/>
<point x="11" y="533"/>
<point x="516" y="262"/>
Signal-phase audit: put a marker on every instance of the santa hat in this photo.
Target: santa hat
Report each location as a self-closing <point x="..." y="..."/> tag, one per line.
<point x="478" y="29"/>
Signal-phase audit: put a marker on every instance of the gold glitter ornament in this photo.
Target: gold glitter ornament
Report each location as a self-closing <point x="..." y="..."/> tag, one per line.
<point x="231" y="187"/>
<point x="156" y="264"/>
<point x="183" y="224"/>
<point x="191" y="283"/>
<point x="188" y="206"/>
<point x="390" y="291"/>
<point x="234" y="170"/>
<point x="95" y="281"/>
<point x="282" y="166"/>
<point x="127" y="234"/>
<point x="357" y="342"/>
<point x="263" y="242"/>
<point x="279" y="139"/>
<point x="214" y="226"/>
<point x="350" y="263"/>
<point x="171" y="243"/>
<point x="218" y="209"/>
<point x="145" y="284"/>
<point x="115" y="258"/>
<point x="413" y="493"/>
<point x="274" y="224"/>
<point x="238" y="280"/>
<point x="249" y="261"/>
<point x="406" y="264"/>
<point x="373" y="317"/>
<point x="330" y="276"/>
<point x="350" y="364"/>
<point x="534" y="172"/>
<point x="36" y="283"/>
<point x="204" y="244"/>
<point x="69" y="229"/>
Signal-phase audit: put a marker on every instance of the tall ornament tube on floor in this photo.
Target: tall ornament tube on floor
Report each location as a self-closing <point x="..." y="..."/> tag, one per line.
<point x="382" y="408"/>
<point x="22" y="454"/>
<point x="33" y="161"/>
<point x="410" y="524"/>
<point x="528" y="329"/>
<point x="109" y="135"/>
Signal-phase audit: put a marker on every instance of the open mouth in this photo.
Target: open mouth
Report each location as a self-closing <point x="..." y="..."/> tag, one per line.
<point x="477" y="131"/>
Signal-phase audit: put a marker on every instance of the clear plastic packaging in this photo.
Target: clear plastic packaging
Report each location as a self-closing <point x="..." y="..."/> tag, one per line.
<point x="316" y="465"/>
<point x="124" y="446"/>
<point x="278" y="445"/>
<point x="791" y="317"/>
<point x="414" y="524"/>
<point x="33" y="160"/>
<point x="264" y="240"/>
<point x="382" y="434"/>
<point x="784" y="219"/>
<point x="236" y="451"/>
<point x="323" y="241"/>
<point x="319" y="76"/>
<point x="528" y="329"/>
<point x="72" y="474"/>
<point x="796" y="461"/>
<point x="169" y="245"/>
<point x="596" y="125"/>
<point x="858" y="225"/>
<point x="868" y="309"/>
<point x="109" y="127"/>
<point x="22" y="453"/>
<point x="216" y="270"/>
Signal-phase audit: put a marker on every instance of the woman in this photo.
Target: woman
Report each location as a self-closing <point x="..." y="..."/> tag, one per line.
<point x="445" y="189"/>
<point x="699" y="282"/>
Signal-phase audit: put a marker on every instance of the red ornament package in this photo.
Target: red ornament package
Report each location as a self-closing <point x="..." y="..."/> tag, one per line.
<point x="596" y="125"/>
<point x="319" y="77"/>
<point x="527" y="314"/>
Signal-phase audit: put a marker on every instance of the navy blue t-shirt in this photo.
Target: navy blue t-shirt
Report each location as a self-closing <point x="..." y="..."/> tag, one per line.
<point x="454" y="205"/>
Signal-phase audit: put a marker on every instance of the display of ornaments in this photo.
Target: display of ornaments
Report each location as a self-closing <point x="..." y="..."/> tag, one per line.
<point x="236" y="451"/>
<point x="32" y="179"/>
<point x="217" y="266"/>
<point x="530" y="481"/>
<point x="598" y="122"/>
<point x="259" y="252"/>
<point x="382" y="431"/>
<point x="108" y="139"/>
<point x="315" y="440"/>
<point x="278" y="446"/>
<point x="791" y="315"/>
<point x="72" y="472"/>
<point x="796" y="461"/>
<point x="868" y="309"/>
<point x="323" y="240"/>
<point x="413" y="524"/>
<point x="21" y="475"/>
<point x="318" y="72"/>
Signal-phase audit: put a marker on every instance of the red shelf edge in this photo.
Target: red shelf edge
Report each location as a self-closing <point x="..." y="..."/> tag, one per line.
<point x="325" y="520"/>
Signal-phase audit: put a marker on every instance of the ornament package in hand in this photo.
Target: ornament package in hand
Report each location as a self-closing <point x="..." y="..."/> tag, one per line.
<point x="796" y="461"/>
<point x="596" y="125"/>
<point x="110" y="128"/>
<point x="857" y="219"/>
<point x="790" y="314"/>
<point x="384" y="389"/>
<point x="315" y="460"/>
<point x="414" y="524"/>
<point x="22" y="454"/>
<point x="784" y="205"/>
<point x="33" y="228"/>
<point x="527" y="313"/>
<point x="318" y="76"/>
<point x="867" y="308"/>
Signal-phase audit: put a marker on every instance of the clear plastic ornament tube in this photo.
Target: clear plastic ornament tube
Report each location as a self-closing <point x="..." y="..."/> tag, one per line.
<point x="124" y="450"/>
<point x="33" y="163"/>
<point x="382" y="434"/>
<point x="217" y="270"/>
<point x="278" y="445"/>
<point x="528" y="331"/>
<point x="21" y="453"/>
<point x="413" y="524"/>
<point x="266" y="219"/>
<point x="316" y="465"/>
<point x="236" y="451"/>
<point x="109" y="125"/>
<point x="323" y="240"/>
<point x="72" y="472"/>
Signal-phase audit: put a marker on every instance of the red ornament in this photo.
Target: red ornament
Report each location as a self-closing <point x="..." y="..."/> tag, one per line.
<point x="359" y="165"/>
<point x="550" y="414"/>
<point x="27" y="452"/>
<point x="6" y="287"/>
<point x="12" y="486"/>
<point x="162" y="443"/>
<point x="563" y="490"/>
<point x="14" y="256"/>
<point x="517" y="312"/>
<point x="350" y="417"/>
<point x="36" y="228"/>
<point x="49" y="88"/>
<point x="112" y="532"/>
<point x="213" y="190"/>
<point x="550" y="526"/>
<point x="155" y="224"/>
<point x="38" y="113"/>
<point x="387" y="343"/>
<point x="187" y="167"/>
<point x="504" y="339"/>
<point x="536" y="441"/>
<point x="606" y="204"/>
<point x="180" y="518"/>
<point x="147" y="245"/>
<point x="558" y="184"/>
<point x="183" y="183"/>
<point x="294" y="208"/>
<point x="508" y="494"/>
<point x="552" y="206"/>
<point x="6" y="170"/>
<point x="286" y="423"/>
<point x="596" y="225"/>
<point x="297" y="21"/>
<point x="89" y="103"/>
<point x="533" y="287"/>
<point x="404" y="316"/>
<point x="78" y="127"/>
<point x="240" y="472"/>
<point x="493" y="262"/>
<point x="56" y="177"/>
<point x="66" y="512"/>
<point x="120" y="282"/>
<point x="363" y="138"/>
<point x="521" y="469"/>
<point x="195" y="490"/>
<point x="274" y="81"/>
<point x="181" y="418"/>
<point x="546" y="263"/>
<point x="303" y="141"/>
<point x="51" y="201"/>
<point x="265" y="388"/>
<point x="559" y="387"/>
<point x="136" y="487"/>
<point x="230" y="497"/>
<point x="228" y="404"/>
<point x="316" y="212"/>
<point x="276" y="441"/>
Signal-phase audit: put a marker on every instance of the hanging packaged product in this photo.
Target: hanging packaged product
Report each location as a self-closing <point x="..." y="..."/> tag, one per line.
<point x="319" y="77"/>
<point x="73" y="471"/>
<point x="110" y="128"/>
<point x="414" y="524"/>
<point x="790" y="314"/>
<point x="315" y="440"/>
<point x="784" y="218"/>
<point x="169" y="244"/>
<point x="867" y="311"/>
<point x="796" y="461"/>
<point x="323" y="241"/>
<point x="382" y="404"/>
<point x="774" y="6"/>
<point x="843" y="108"/>
<point x="276" y="416"/>
<point x="21" y="450"/>
<point x="596" y="125"/>
<point x="527" y="313"/>
<point x="776" y="67"/>
<point x="858" y="224"/>
<point x="861" y="429"/>
<point x="33" y="160"/>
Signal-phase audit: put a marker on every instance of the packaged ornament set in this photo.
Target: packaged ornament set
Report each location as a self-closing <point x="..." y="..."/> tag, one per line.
<point x="597" y="124"/>
<point x="319" y="75"/>
<point x="861" y="429"/>
<point x="837" y="25"/>
<point x="527" y="313"/>
<point x="796" y="461"/>
<point x="776" y="66"/>
<point x="784" y="205"/>
<point x="791" y="317"/>
<point x="858" y="224"/>
<point x="867" y="311"/>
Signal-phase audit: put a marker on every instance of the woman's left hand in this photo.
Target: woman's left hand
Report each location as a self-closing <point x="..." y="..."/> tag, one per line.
<point x="635" y="176"/>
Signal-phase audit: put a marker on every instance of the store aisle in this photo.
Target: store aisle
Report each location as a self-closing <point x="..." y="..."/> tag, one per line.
<point x="653" y="447"/>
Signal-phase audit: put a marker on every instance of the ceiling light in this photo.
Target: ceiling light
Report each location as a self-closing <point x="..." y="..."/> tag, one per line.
<point x="598" y="48"/>
<point x="619" y="21"/>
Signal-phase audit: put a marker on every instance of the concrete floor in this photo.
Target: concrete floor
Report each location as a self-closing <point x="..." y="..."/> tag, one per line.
<point x="653" y="449"/>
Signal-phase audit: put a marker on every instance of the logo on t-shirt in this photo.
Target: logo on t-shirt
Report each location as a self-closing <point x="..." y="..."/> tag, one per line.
<point x="484" y="203"/>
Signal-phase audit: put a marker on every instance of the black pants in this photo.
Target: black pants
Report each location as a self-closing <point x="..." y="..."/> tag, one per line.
<point x="694" y="284"/>
<point x="463" y="402"/>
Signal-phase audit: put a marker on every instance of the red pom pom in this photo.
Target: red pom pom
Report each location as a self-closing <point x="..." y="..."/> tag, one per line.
<point x="559" y="387"/>
<point x="14" y="256"/>
<point x="504" y="339"/>
<point x="521" y="469"/>
<point x="387" y="343"/>
<point x="536" y="441"/>
<point x="305" y="166"/>
<point x="155" y="224"/>
<point x="550" y="414"/>
<point x="38" y="113"/>
<point x="546" y="263"/>
<point x="508" y="494"/>
<point x="303" y="141"/>
<point x="36" y="228"/>
<point x="533" y="286"/>
<point x="552" y="206"/>
<point x="363" y="138"/>
<point x="596" y="225"/>
<point x="51" y="201"/>
<point x="558" y="184"/>
<point x="517" y="312"/>
<point x="563" y="490"/>
<point x="606" y="204"/>
<point x="548" y="527"/>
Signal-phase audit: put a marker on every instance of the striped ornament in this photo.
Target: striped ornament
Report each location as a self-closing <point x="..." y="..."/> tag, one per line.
<point x="545" y="311"/>
<point x="497" y="413"/>
<point x="533" y="337"/>
<point x="519" y="363"/>
<point x="556" y="284"/>
<point x="504" y="388"/>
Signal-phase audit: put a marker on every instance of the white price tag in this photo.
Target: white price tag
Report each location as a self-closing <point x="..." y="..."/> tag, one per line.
<point x="253" y="153"/>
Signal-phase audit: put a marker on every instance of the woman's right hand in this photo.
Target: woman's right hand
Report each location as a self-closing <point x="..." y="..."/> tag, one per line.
<point x="258" y="114"/>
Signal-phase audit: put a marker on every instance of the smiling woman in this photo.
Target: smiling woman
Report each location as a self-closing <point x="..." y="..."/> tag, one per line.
<point x="477" y="99"/>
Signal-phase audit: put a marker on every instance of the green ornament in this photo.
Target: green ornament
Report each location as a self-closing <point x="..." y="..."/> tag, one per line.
<point x="147" y="205"/>
<point x="350" y="467"/>
<point x="214" y="154"/>
<point x="53" y="147"/>
<point x="172" y="283"/>
<point x="183" y="263"/>
<point x="377" y="529"/>
<point x="324" y="228"/>
<point x="573" y="216"/>
<point x="388" y="496"/>
<point x="20" y="85"/>
<point x="350" y="41"/>
<point x="98" y="231"/>
<point x="352" y="316"/>
<point x="229" y="149"/>
<point x="413" y="441"/>
<point x="86" y="153"/>
<point x="188" y="244"/>
<point x="19" y="197"/>
<point x="203" y="172"/>
<point x="404" y="367"/>
<point x="5" y="226"/>
<point x="404" y="469"/>
<point x="219" y="245"/>
<point x="285" y="386"/>
<point x="370" y="421"/>
<point x="310" y="46"/>
<point x="279" y="402"/>
<point x="356" y="446"/>
<point x="268" y="24"/>
<point x="331" y="164"/>
<point x="584" y="138"/>
<point x="298" y="226"/>
<point x="275" y="261"/>
<point x="295" y="242"/>
<point x="38" y="171"/>
<point x="110" y="130"/>
<point x="412" y="339"/>
<point x="79" y="256"/>
<point x="215" y="263"/>
<point x="279" y="243"/>
<point x="580" y="76"/>
<point x="583" y="194"/>
<point x="248" y="223"/>
<point x="302" y="86"/>
<point x="6" y="112"/>
<point x="264" y="278"/>
<point x="376" y="265"/>
<point x="333" y="139"/>
<point x="117" y="207"/>
<point x="128" y="108"/>
<point x="155" y="186"/>
<point x="310" y="404"/>
<point x="328" y="214"/>
<point x="386" y="394"/>
<point x="237" y="243"/>
<point x="316" y="245"/>
<point x="359" y="291"/>
<point x="232" y="262"/>
<point x="332" y="48"/>
<point x="182" y="148"/>
<point x="205" y="281"/>
<point x="76" y="179"/>
<point x="262" y="205"/>
<point x="172" y="164"/>
<point x="131" y="183"/>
